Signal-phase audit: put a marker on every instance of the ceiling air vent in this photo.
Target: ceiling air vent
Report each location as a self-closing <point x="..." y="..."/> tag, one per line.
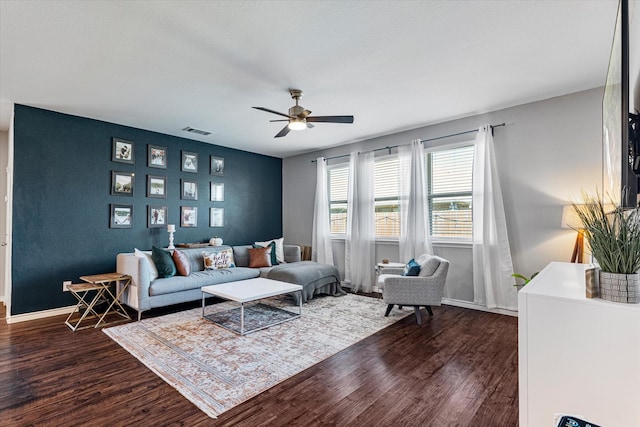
<point x="198" y="131"/>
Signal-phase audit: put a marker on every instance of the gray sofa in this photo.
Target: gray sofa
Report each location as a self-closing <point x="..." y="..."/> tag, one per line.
<point x="144" y="294"/>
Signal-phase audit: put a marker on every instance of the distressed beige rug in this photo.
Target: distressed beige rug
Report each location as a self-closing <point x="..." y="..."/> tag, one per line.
<point x="217" y="369"/>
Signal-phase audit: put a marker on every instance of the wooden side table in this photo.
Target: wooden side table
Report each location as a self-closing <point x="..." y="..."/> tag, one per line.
<point x="100" y="285"/>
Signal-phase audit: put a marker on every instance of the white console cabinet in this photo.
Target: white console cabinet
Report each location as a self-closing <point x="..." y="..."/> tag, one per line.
<point x="576" y="355"/>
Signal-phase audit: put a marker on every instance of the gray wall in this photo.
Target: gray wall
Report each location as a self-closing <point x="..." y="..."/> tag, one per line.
<point x="548" y="151"/>
<point x="4" y="154"/>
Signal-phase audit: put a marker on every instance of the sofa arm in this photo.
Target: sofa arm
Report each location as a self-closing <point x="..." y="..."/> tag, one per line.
<point x="136" y="295"/>
<point x="413" y="290"/>
<point x="292" y="253"/>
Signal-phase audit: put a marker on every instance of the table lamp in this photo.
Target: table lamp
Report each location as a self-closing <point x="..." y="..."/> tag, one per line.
<point x="570" y="219"/>
<point x="171" y="228"/>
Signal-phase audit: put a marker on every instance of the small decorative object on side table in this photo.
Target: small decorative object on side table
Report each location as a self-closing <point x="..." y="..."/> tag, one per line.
<point x="216" y="241"/>
<point x="101" y="284"/>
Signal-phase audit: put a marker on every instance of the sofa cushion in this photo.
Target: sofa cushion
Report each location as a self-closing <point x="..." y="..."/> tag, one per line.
<point x="163" y="261"/>
<point x="214" y="260"/>
<point x="182" y="263"/>
<point x="274" y="259"/>
<point x="198" y="279"/>
<point x="151" y="266"/>
<point x="260" y="257"/>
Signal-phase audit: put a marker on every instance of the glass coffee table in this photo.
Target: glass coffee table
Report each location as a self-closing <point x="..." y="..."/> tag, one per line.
<point x="260" y="315"/>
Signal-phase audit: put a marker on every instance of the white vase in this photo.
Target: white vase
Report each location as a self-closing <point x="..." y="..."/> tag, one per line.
<point x="215" y="241"/>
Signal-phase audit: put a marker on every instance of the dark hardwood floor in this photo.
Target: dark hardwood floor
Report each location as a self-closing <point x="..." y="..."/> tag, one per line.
<point x="459" y="368"/>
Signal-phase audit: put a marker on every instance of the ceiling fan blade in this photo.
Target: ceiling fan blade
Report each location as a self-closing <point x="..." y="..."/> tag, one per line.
<point x="309" y="125"/>
<point x="285" y="130"/>
<point x="279" y="120"/>
<point x="330" y="119"/>
<point x="304" y="114"/>
<point x="272" y="112"/>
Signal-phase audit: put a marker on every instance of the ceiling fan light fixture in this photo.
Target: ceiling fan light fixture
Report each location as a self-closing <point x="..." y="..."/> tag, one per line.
<point x="297" y="124"/>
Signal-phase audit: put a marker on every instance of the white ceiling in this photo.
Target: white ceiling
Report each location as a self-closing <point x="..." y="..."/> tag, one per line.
<point x="394" y="65"/>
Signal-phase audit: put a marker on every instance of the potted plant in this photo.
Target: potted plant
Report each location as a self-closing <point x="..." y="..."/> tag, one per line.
<point x="613" y="236"/>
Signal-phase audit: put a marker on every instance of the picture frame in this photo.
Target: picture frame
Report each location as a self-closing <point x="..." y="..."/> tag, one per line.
<point x="216" y="217"/>
<point x="188" y="216"/>
<point x="122" y="151"/>
<point x="157" y="186"/>
<point x="156" y="156"/>
<point x="122" y="183"/>
<point x="217" y="166"/>
<point x="156" y="216"/>
<point x="189" y="162"/>
<point x="121" y="216"/>
<point x="189" y="189"/>
<point x="217" y="192"/>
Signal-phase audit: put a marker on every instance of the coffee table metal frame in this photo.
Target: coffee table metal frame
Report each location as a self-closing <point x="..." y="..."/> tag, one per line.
<point x="250" y="290"/>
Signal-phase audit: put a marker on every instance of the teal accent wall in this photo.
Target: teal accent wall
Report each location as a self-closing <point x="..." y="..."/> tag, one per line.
<point x="61" y="197"/>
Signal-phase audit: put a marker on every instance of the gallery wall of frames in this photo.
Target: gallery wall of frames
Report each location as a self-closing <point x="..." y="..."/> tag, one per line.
<point x="85" y="190"/>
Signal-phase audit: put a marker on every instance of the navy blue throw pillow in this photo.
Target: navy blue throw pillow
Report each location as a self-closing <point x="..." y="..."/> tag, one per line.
<point x="412" y="268"/>
<point x="163" y="261"/>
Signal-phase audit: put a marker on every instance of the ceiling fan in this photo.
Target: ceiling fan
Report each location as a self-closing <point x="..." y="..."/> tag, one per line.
<point x="299" y="118"/>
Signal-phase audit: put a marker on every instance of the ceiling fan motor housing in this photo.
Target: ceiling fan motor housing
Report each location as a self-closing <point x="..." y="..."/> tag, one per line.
<point x="296" y="110"/>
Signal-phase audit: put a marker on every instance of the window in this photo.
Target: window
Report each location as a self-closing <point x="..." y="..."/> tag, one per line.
<point x="338" y="188"/>
<point x="449" y="184"/>
<point x="387" y="197"/>
<point x="387" y="189"/>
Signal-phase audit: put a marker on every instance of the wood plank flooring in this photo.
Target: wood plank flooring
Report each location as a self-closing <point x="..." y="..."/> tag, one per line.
<point x="459" y="368"/>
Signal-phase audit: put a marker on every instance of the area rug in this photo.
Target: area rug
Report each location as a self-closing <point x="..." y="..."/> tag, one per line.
<point x="217" y="369"/>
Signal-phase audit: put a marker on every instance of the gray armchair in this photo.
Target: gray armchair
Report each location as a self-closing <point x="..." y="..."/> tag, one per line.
<point x="424" y="290"/>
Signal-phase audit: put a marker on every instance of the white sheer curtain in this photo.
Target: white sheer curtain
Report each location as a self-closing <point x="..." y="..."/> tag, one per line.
<point x="321" y="250"/>
<point x="414" y="211"/>
<point x="492" y="265"/>
<point x="360" y="236"/>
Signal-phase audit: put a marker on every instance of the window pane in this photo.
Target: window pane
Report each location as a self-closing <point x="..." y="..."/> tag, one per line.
<point x="338" y="183"/>
<point x="387" y="217"/>
<point x="451" y="216"/>
<point x="387" y="178"/>
<point x="338" y="178"/>
<point x="338" y="218"/>
<point x="451" y="170"/>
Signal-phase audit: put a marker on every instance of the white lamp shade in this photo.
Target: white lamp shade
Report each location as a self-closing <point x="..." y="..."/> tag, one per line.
<point x="171" y="228"/>
<point x="570" y="218"/>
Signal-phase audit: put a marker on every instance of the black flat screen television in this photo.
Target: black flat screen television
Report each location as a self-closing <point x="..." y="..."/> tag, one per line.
<point x="620" y="105"/>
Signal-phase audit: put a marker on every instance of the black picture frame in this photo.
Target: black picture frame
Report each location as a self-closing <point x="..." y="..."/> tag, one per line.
<point x="216" y="217"/>
<point x="189" y="162"/>
<point x="188" y="216"/>
<point x="156" y="156"/>
<point x="122" y="183"/>
<point x="217" y="191"/>
<point x="188" y="189"/>
<point x="217" y="166"/>
<point x="120" y="216"/>
<point x="122" y="151"/>
<point x="156" y="216"/>
<point x="157" y="186"/>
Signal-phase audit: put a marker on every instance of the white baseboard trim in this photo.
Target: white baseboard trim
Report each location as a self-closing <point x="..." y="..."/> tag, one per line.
<point x="39" y="314"/>
<point x="474" y="306"/>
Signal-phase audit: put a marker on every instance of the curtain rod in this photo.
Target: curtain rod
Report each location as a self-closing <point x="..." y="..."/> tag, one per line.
<point x="422" y="140"/>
